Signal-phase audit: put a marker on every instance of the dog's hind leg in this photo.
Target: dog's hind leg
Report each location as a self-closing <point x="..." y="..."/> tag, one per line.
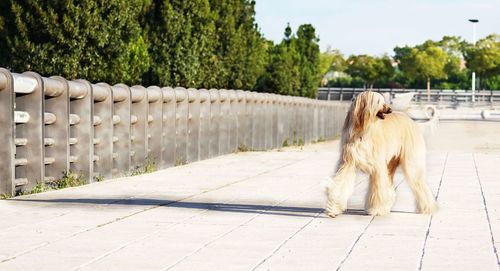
<point x="381" y="195"/>
<point x="340" y="189"/>
<point x="391" y="168"/>
<point x="415" y="175"/>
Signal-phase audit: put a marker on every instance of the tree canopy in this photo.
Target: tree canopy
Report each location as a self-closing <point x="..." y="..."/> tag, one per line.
<point x="426" y="61"/>
<point x="294" y="64"/>
<point x="217" y="44"/>
<point x="484" y="59"/>
<point x="199" y="43"/>
<point x="446" y="64"/>
<point x="370" y="69"/>
<point x="99" y="40"/>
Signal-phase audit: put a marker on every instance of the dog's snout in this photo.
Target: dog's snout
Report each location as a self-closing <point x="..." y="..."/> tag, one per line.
<point x="387" y="109"/>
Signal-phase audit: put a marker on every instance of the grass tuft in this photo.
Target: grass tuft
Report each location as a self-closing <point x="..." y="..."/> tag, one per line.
<point x="149" y="167"/>
<point x="69" y="179"/>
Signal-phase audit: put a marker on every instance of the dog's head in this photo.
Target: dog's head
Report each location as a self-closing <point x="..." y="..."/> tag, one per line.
<point x="368" y="107"/>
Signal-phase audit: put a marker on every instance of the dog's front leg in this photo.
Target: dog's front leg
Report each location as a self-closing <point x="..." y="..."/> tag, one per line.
<point x="381" y="195"/>
<point x="340" y="189"/>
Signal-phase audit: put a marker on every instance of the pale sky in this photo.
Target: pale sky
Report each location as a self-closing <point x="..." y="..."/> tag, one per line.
<point x="376" y="26"/>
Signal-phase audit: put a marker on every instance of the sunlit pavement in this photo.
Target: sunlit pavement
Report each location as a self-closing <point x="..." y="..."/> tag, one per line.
<point x="264" y="211"/>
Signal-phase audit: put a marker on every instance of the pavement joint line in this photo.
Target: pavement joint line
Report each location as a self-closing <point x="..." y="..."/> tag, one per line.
<point x="364" y="229"/>
<point x="354" y="244"/>
<point x="347" y="210"/>
<point x="430" y="219"/>
<point x="495" y="251"/>
<point x="182" y="222"/>
<point x="286" y="241"/>
<point x="46" y="243"/>
<point x="232" y="230"/>
<point x="5" y="231"/>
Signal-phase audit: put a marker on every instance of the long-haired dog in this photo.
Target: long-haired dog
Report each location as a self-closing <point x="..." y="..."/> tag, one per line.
<point x="377" y="141"/>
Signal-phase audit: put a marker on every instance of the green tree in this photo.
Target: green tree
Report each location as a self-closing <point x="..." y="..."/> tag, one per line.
<point x="307" y="46"/>
<point x="370" y="69"/>
<point x="293" y="67"/>
<point x="282" y="74"/>
<point x="484" y="58"/>
<point x="426" y="61"/>
<point x="240" y="48"/>
<point x="456" y="74"/>
<point x="181" y="36"/>
<point x="331" y="60"/>
<point x="95" y="40"/>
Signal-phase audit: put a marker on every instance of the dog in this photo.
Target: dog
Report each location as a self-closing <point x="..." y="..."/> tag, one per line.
<point x="377" y="141"/>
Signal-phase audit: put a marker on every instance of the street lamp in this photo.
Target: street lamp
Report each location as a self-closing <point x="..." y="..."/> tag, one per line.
<point x="473" y="21"/>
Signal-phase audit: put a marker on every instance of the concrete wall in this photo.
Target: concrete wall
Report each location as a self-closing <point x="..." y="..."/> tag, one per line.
<point x="50" y="126"/>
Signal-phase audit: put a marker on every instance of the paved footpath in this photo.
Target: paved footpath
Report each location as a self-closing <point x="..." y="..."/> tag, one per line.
<point x="264" y="211"/>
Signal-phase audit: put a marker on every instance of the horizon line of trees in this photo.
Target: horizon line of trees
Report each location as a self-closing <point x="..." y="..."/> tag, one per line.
<point x="198" y="43"/>
<point x="214" y="44"/>
<point x="444" y="64"/>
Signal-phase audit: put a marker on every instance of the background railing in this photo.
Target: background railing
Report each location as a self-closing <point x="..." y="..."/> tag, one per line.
<point x="50" y="126"/>
<point x="436" y="95"/>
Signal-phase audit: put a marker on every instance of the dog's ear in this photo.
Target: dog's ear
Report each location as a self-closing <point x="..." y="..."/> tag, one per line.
<point x="361" y="114"/>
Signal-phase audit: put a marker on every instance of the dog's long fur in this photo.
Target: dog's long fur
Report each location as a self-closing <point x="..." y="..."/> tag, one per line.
<point x="377" y="142"/>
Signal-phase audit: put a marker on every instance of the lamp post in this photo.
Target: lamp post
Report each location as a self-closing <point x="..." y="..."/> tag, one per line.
<point x="473" y="21"/>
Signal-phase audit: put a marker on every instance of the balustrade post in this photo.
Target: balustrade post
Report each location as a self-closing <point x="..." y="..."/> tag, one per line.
<point x="30" y="166"/>
<point x="103" y="131"/>
<point x="8" y="147"/>
<point x="241" y="119"/>
<point x="224" y="122"/>
<point x="215" y="116"/>
<point x="204" y="133"/>
<point x="139" y="120"/>
<point x="248" y="116"/>
<point x="232" y="119"/>
<point x="155" y="126"/>
<point x="193" y="133"/>
<point x="168" y="127"/>
<point x="81" y="128"/>
<point x="121" y="129"/>
<point x="181" y="125"/>
<point x="57" y="131"/>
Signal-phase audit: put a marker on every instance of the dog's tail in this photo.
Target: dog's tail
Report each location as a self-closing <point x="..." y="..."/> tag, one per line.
<point x="432" y="114"/>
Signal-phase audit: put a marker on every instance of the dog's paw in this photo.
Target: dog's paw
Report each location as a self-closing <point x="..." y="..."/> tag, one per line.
<point x="379" y="211"/>
<point x="428" y="209"/>
<point x="331" y="214"/>
<point x="333" y="211"/>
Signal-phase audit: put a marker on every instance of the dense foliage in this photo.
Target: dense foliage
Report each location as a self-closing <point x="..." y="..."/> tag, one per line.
<point x="198" y="43"/>
<point x="445" y="64"/>
<point x="217" y="44"/>
<point x="293" y="66"/>
<point x="100" y="40"/>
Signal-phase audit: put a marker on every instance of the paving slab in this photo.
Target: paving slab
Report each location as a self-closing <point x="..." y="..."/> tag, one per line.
<point x="264" y="211"/>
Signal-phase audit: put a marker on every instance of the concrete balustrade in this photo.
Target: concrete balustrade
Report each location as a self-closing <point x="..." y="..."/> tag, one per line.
<point x="51" y="125"/>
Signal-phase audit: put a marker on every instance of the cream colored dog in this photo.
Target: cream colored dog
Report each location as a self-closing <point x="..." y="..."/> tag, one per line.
<point x="377" y="141"/>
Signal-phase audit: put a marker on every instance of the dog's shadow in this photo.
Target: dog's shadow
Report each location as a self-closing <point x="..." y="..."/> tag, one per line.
<point x="212" y="206"/>
<point x="264" y="209"/>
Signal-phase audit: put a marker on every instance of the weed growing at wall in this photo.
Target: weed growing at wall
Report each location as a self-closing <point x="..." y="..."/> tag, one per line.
<point x="149" y="167"/>
<point x="285" y="143"/>
<point x="243" y="148"/>
<point x="180" y="162"/>
<point x="98" y="178"/>
<point x="69" y="179"/>
<point x="4" y="196"/>
<point x="300" y="142"/>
